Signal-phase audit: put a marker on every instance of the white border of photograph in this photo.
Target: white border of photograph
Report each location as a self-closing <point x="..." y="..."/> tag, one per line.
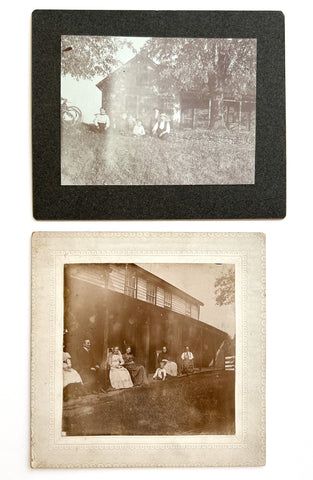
<point x="50" y="251"/>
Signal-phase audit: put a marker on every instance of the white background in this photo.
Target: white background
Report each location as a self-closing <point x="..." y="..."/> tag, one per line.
<point x="289" y="253"/>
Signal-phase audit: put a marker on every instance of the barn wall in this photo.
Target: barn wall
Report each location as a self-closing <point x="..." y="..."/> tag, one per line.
<point x="110" y="318"/>
<point x="96" y="307"/>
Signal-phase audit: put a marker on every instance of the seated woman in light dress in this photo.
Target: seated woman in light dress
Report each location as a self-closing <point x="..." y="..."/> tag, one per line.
<point x="72" y="382"/>
<point x="170" y="367"/>
<point x="119" y="375"/>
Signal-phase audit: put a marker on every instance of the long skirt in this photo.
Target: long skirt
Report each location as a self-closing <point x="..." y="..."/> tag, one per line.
<point x="171" y="368"/>
<point x="138" y="374"/>
<point x="71" y="376"/>
<point x="120" y="378"/>
<point x="187" y="365"/>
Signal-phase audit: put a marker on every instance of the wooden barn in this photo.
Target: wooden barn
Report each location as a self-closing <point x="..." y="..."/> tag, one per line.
<point x="136" y="88"/>
<point x="124" y="304"/>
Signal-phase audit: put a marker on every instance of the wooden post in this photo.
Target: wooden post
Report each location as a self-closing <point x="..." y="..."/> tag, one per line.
<point x="104" y="363"/>
<point x="240" y="111"/>
<point x="210" y="112"/>
<point x="249" y="118"/>
<point x="146" y="334"/>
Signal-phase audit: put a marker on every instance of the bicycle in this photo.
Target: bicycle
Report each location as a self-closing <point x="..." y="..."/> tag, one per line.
<point x="70" y="115"/>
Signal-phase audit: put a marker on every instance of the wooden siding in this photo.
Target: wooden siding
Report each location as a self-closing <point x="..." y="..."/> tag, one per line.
<point x="117" y="278"/>
<point x="178" y="305"/>
<point x="194" y="312"/>
<point x="160" y="297"/>
<point x="116" y="283"/>
<point x="141" y="289"/>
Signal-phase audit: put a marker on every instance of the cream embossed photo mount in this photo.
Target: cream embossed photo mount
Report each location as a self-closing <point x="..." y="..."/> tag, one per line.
<point x="148" y="349"/>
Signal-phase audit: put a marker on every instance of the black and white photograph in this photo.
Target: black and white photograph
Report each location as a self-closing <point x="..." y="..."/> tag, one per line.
<point x="157" y="111"/>
<point x="149" y="349"/>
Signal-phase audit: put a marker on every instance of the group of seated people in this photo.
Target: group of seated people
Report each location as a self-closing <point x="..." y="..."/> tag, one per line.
<point x="159" y="124"/>
<point x="124" y="372"/>
<point x="168" y="367"/>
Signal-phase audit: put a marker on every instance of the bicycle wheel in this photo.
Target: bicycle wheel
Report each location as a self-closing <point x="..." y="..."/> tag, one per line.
<point x="76" y="112"/>
<point x="71" y="116"/>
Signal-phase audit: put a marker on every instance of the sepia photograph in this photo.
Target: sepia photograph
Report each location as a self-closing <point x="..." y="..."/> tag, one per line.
<point x="149" y="343"/>
<point x="157" y="111"/>
<point x="149" y="349"/>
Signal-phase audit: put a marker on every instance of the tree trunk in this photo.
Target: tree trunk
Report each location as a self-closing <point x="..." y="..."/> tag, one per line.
<point x="217" y="121"/>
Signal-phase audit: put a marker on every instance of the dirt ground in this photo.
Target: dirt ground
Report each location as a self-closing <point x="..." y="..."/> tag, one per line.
<point x="187" y="157"/>
<point x="202" y="403"/>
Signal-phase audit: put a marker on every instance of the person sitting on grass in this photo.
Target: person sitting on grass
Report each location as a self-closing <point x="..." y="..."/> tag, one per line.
<point x="102" y="121"/>
<point x="160" y="373"/>
<point x="139" y="130"/>
<point x="162" y="127"/>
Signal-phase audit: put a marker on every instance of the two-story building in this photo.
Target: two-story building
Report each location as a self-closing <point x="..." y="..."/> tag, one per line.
<point x="137" y="87"/>
<point x="124" y="304"/>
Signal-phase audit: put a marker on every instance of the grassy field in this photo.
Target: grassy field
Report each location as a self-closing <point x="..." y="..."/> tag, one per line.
<point x="199" y="404"/>
<point x="190" y="157"/>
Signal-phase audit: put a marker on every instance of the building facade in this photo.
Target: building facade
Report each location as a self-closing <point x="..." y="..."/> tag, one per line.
<point x="124" y="304"/>
<point x="137" y="87"/>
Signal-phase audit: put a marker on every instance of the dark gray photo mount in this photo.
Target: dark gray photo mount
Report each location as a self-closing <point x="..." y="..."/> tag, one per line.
<point x="158" y="115"/>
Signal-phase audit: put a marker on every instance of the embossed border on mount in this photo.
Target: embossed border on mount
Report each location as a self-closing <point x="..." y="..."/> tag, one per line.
<point x="265" y="199"/>
<point x="49" y="253"/>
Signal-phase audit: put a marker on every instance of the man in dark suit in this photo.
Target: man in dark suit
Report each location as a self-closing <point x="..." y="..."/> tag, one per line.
<point x="88" y="367"/>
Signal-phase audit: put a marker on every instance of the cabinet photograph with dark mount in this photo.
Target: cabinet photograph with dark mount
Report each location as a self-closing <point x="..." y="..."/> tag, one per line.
<point x="158" y="115"/>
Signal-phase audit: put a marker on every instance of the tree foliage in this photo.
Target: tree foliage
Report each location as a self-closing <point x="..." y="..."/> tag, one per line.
<point x="207" y="66"/>
<point x="225" y="288"/>
<point x="85" y="57"/>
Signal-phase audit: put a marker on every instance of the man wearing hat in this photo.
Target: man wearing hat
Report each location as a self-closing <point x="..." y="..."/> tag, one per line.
<point x="162" y="127"/>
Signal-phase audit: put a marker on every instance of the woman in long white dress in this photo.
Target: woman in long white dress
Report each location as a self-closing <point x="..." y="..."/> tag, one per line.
<point x="119" y="375"/>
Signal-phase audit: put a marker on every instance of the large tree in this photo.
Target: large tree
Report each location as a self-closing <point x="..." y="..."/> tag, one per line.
<point x="208" y="66"/>
<point x="225" y="288"/>
<point x="84" y="57"/>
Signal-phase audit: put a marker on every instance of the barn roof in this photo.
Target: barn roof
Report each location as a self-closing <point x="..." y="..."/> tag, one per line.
<point x="159" y="281"/>
<point x="140" y="56"/>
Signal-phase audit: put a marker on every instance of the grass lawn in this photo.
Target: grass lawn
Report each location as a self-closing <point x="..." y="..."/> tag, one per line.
<point x="189" y="157"/>
<point x="201" y="404"/>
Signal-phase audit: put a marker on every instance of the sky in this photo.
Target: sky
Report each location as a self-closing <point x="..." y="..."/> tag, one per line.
<point x="198" y="280"/>
<point x="84" y="94"/>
